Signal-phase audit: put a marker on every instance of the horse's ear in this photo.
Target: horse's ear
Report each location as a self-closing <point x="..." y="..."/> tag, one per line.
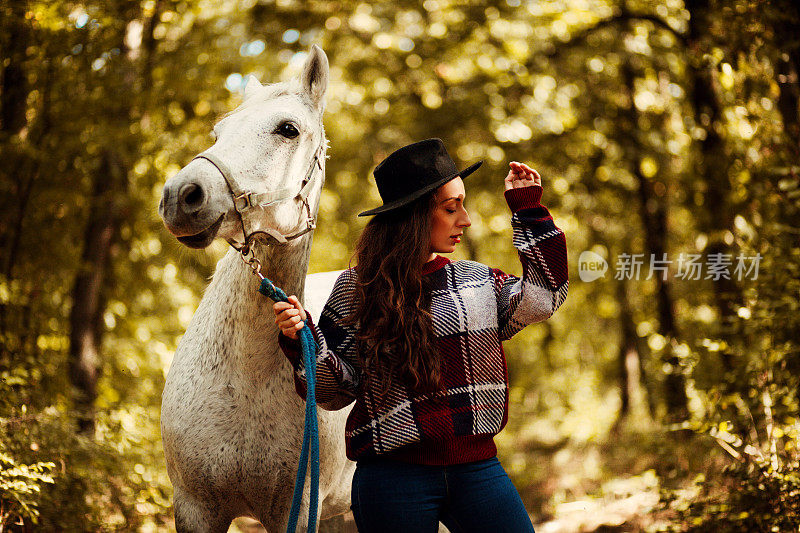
<point x="315" y="75"/>
<point x="251" y="87"/>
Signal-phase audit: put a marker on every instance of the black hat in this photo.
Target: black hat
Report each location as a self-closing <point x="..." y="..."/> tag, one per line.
<point x="411" y="171"/>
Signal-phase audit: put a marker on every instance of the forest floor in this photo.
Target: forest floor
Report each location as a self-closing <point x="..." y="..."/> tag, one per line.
<point x="610" y="487"/>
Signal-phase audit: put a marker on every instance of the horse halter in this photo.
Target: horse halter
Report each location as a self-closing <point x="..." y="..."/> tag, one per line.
<point x="245" y="202"/>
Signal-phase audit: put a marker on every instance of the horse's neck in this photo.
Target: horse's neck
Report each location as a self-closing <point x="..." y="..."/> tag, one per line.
<point x="246" y="321"/>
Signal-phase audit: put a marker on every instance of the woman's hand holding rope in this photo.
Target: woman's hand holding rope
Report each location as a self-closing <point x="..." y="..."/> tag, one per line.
<point x="290" y="316"/>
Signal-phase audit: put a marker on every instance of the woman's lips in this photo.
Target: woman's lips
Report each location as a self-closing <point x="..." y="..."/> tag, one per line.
<point x="456" y="238"/>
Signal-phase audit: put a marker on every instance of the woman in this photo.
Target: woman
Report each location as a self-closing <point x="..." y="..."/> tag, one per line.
<point x="427" y="372"/>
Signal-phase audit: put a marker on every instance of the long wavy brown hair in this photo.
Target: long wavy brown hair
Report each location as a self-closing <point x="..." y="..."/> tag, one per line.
<point x="393" y="300"/>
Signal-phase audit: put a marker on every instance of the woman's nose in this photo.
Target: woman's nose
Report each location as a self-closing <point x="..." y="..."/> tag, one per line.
<point x="466" y="222"/>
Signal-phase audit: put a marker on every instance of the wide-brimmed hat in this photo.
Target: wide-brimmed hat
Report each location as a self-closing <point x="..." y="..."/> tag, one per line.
<point x="411" y="171"/>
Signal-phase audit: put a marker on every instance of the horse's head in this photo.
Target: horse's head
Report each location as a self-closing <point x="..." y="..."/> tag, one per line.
<point x="265" y="170"/>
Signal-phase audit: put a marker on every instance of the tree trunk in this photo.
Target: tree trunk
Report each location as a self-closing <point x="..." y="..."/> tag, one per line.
<point x="14" y="95"/>
<point x="789" y="83"/>
<point x="629" y="362"/>
<point x="788" y="71"/>
<point x="28" y="169"/>
<point x="716" y="221"/>
<point x="630" y="349"/>
<point x="88" y="305"/>
<point x="13" y="121"/>
<point x="653" y="216"/>
<point x="109" y="190"/>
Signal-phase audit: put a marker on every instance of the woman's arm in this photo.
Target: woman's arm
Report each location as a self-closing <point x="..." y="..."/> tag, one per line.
<point x="542" y="250"/>
<point x="337" y="361"/>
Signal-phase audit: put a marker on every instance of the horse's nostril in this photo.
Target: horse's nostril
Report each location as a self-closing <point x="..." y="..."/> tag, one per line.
<point x="191" y="197"/>
<point x="195" y="196"/>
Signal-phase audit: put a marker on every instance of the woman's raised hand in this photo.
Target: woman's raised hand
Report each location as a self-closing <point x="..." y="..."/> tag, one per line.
<point x="289" y="316"/>
<point x="521" y="175"/>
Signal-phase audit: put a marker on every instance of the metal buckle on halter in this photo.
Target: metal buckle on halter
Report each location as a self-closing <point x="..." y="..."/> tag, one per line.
<point x="248" y="201"/>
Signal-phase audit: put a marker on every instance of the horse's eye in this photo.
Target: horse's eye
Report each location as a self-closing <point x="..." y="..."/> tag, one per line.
<point x="288" y="130"/>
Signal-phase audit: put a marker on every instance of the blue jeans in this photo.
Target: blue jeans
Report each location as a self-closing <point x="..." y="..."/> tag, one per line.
<point x="391" y="496"/>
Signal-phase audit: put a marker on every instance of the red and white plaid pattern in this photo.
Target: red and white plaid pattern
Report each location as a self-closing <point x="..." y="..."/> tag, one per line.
<point x="474" y="308"/>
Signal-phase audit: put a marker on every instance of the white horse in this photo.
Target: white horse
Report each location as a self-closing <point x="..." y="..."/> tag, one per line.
<point x="231" y="421"/>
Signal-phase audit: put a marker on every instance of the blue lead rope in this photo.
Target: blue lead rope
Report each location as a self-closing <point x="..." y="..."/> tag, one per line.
<point x="311" y="432"/>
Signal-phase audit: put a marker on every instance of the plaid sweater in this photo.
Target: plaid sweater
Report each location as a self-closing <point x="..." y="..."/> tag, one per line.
<point x="474" y="308"/>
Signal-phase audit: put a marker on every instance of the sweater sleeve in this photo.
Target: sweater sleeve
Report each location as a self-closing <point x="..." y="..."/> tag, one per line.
<point x="542" y="250"/>
<point x="337" y="361"/>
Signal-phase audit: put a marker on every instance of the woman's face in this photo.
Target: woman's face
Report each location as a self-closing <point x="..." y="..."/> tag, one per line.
<point x="449" y="217"/>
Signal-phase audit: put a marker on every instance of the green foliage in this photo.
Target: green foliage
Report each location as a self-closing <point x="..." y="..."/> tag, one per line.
<point x="602" y="99"/>
<point x="113" y="482"/>
<point x="21" y="486"/>
<point x="754" y="493"/>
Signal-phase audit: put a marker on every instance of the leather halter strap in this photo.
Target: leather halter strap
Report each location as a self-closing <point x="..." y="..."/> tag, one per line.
<point x="245" y="201"/>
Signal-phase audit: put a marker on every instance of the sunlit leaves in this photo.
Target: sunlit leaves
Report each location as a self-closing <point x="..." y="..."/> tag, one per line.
<point x="539" y="82"/>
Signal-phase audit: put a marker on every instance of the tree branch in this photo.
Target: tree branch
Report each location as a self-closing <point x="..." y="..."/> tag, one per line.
<point x="623" y="16"/>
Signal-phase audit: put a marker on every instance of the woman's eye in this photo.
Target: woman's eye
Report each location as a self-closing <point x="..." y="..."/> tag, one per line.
<point x="451" y="211"/>
<point x="288" y="130"/>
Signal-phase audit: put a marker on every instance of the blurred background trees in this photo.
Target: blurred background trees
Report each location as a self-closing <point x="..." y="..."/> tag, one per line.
<point x="666" y="129"/>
